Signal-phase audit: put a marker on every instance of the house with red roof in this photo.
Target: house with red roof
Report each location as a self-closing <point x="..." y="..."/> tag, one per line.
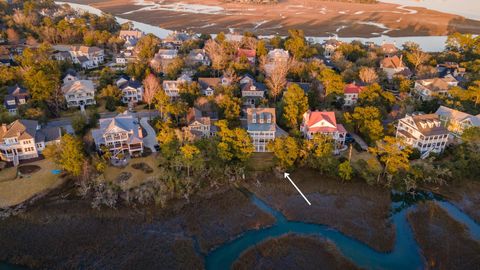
<point x="323" y="123"/>
<point x="249" y="54"/>
<point x="351" y="92"/>
<point x="393" y="66"/>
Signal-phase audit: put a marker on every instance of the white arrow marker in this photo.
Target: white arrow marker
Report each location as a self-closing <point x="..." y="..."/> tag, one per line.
<point x="286" y="175"/>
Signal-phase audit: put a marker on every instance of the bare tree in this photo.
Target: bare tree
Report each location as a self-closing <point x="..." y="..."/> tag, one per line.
<point x="151" y="86"/>
<point x="368" y="75"/>
<point x="277" y="78"/>
<point x="217" y="54"/>
<point x="417" y="58"/>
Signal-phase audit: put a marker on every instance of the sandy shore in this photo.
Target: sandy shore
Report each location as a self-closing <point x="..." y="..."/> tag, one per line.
<point x="316" y="18"/>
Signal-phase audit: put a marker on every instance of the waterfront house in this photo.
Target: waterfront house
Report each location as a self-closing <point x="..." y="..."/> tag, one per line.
<point x="424" y="132"/>
<point x="428" y="88"/>
<point x="16" y="96"/>
<point x="394" y="66"/>
<point x="25" y="139"/>
<point x="120" y="134"/>
<point x="330" y="46"/>
<point x="276" y="57"/>
<point x="79" y="93"/>
<point x="456" y="121"/>
<point x="389" y="49"/>
<point x="325" y="123"/>
<point x="261" y="126"/>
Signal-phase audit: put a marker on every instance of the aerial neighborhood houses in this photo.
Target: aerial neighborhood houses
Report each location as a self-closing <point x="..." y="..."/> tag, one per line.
<point x="200" y="125"/>
<point x="325" y="123"/>
<point x="252" y="92"/>
<point x="456" y="121"/>
<point x="132" y="90"/>
<point x="198" y="57"/>
<point x="121" y="134"/>
<point x="87" y="57"/>
<point x="428" y="88"/>
<point x="276" y="58"/>
<point x="261" y="126"/>
<point x="330" y="46"/>
<point x="395" y="66"/>
<point x="351" y="93"/>
<point x="16" y="96"/>
<point x="25" y="139"/>
<point x="424" y="132"/>
<point x="172" y="88"/>
<point x="79" y="93"/>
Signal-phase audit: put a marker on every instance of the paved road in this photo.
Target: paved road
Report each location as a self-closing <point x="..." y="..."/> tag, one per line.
<point x="360" y="141"/>
<point x="151" y="139"/>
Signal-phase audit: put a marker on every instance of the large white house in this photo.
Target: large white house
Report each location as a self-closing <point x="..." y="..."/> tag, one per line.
<point x="79" y="93"/>
<point x="24" y="139"/>
<point x="261" y="126"/>
<point x="87" y="57"/>
<point x="276" y="57"/>
<point x="424" y="132"/>
<point x="132" y="90"/>
<point x="456" y="121"/>
<point x="428" y="88"/>
<point x="351" y="93"/>
<point x="323" y="123"/>
<point x="120" y="134"/>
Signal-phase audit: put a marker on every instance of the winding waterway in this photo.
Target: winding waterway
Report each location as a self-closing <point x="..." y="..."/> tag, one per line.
<point x="405" y="254"/>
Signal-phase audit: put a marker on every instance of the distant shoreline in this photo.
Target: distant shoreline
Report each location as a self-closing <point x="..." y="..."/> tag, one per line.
<point x="316" y="18"/>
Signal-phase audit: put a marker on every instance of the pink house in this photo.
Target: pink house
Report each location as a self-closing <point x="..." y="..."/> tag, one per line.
<point x="323" y="123"/>
<point x="351" y="92"/>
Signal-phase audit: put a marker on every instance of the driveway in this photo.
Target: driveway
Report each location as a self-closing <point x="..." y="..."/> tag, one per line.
<point x="151" y="139"/>
<point x="360" y="141"/>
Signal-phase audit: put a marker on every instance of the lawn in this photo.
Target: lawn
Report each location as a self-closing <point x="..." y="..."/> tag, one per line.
<point x="138" y="176"/>
<point x="260" y="162"/>
<point x="14" y="191"/>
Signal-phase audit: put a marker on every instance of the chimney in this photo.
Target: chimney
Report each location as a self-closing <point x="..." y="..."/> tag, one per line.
<point x="140" y="132"/>
<point x="4" y="128"/>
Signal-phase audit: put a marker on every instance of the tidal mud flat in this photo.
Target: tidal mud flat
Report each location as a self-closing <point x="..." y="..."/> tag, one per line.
<point x="445" y="243"/>
<point x="354" y="208"/>
<point x="293" y="252"/>
<point x="71" y="235"/>
<point x="316" y="18"/>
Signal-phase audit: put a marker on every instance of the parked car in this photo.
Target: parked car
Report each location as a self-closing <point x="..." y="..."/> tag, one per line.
<point x="349" y="139"/>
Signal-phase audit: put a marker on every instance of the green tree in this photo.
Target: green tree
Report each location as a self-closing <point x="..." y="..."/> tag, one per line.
<point x="332" y="83"/>
<point x="261" y="49"/>
<point x="319" y="154"/>
<point x="189" y="154"/>
<point x="68" y="154"/>
<point x="230" y="107"/>
<point x="295" y="104"/>
<point x="174" y="69"/>
<point x="345" y="170"/>
<point x="367" y="121"/>
<point x="393" y="153"/>
<point x="79" y="123"/>
<point x="235" y="145"/>
<point x="146" y="47"/>
<point x="286" y="151"/>
<point x="297" y="45"/>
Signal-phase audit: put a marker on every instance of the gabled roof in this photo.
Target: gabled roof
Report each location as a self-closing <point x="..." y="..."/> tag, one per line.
<point x="389" y="48"/>
<point x="437" y="84"/>
<point x="392" y="62"/>
<point x="258" y="86"/>
<point x="16" y="90"/>
<point x="457" y="115"/>
<point x="78" y="86"/>
<point x="132" y="84"/>
<point x="352" y="88"/>
<point x="195" y="115"/>
<point x="428" y="124"/>
<point x="209" y="82"/>
<point x="246" y="52"/>
<point x="261" y="116"/>
<point x="23" y="129"/>
<point x="321" y="122"/>
<point x="121" y="123"/>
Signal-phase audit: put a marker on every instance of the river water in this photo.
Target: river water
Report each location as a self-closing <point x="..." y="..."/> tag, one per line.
<point x="405" y="255"/>
<point x="466" y="8"/>
<point x="427" y="43"/>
